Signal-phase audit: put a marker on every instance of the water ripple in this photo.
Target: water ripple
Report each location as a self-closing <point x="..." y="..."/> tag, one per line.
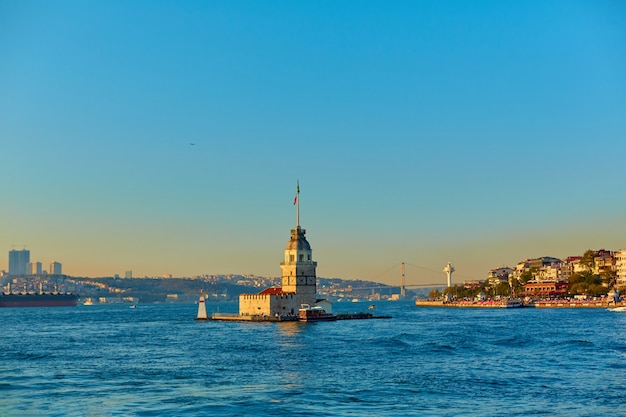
<point x="155" y="360"/>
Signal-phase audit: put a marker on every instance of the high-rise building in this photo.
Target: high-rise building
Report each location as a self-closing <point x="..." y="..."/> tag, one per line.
<point x="55" y="268"/>
<point x="18" y="259"/>
<point x="34" y="268"/>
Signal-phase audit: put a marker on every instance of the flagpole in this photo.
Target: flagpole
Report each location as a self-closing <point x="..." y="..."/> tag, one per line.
<point x="298" y="204"/>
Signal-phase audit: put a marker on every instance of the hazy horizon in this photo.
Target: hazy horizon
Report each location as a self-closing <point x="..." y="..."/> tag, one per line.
<point x="167" y="138"/>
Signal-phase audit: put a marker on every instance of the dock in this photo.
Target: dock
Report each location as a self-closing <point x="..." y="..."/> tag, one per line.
<point x="360" y="316"/>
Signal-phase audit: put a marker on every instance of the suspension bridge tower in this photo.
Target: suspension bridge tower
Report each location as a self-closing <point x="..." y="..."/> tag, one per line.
<point x="449" y="269"/>
<point x="402" y="281"/>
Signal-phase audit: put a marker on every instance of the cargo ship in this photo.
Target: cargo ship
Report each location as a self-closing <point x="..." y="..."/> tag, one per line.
<point x="38" y="300"/>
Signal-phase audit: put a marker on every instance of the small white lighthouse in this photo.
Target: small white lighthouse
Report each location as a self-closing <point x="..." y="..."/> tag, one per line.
<point x="201" y="309"/>
<point x="449" y="269"/>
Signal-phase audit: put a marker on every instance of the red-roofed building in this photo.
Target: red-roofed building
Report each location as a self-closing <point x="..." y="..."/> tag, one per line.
<point x="545" y="289"/>
<point x="273" y="291"/>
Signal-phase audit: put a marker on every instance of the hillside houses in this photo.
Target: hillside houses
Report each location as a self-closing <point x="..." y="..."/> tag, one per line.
<point x="549" y="276"/>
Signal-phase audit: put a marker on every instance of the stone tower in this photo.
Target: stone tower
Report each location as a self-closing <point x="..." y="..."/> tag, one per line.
<point x="298" y="267"/>
<point x="298" y="284"/>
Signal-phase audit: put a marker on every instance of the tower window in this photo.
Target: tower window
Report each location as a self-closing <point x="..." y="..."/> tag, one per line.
<point x="290" y="258"/>
<point x="309" y="257"/>
<point x="301" y="257"/>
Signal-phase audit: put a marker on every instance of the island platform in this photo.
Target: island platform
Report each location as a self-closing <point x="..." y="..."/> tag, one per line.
<point x="238" y="317"/>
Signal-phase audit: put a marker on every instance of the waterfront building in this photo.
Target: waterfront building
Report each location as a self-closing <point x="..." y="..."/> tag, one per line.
<point x="549" y="273"/>
<point x="18" y="260"/>
<point x="603" y="261"/>
<point x="620" y="267"/>
<point x="570" y="265"/>
<point x="536" y="266"/>
<point x="471" y="285"/>
<point x="298" y="280"/>
<point x="545" y="289"/>
<point x="499" y="275"/>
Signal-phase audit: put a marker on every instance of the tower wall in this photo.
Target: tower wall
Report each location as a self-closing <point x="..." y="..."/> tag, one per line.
<point x="298" y="268"/>
<point x="268" y="304"/>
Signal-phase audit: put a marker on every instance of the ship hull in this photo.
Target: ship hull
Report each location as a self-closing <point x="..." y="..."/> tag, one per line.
<point x="38" y="300"/>
<point x="329" y="317"/>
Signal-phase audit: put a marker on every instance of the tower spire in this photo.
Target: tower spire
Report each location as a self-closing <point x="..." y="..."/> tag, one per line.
<point x="296" y="201"/>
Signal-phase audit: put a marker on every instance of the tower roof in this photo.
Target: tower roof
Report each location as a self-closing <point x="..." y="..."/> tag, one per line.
<point x="298" y="240"/>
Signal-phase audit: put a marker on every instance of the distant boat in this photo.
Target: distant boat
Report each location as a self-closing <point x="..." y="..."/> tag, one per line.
<point x="372" y="307"/>
<point x="133" y="306"/>
<point x="88" y="302"/>
<point x="618" y="309"/>
<point x="315" y="313"/>
<point x="512" y="303"/>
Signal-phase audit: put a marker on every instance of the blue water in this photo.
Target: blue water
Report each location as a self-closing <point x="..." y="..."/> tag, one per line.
<point x="155" y="360"/>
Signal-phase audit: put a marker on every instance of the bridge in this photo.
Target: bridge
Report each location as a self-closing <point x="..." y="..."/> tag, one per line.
<point x="402" y="284"/>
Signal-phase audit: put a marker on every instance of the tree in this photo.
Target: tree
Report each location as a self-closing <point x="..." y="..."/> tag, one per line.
<point x="516" y="286"/>
<point x="609" y="278"/>
<point x="434" y="294"/>
<point x="459" y="291"/>
<point x="596" y="290"/>
<point x="526" y="276"/>
<point x="503" y="288"/>
<point x="586" y="283"/>
<point x="588" y="259"/>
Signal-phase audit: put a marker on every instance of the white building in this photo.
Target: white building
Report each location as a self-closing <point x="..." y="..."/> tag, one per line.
<point x="620" y="266"/>
<point x="499" y="275"/>
<point x="549" y="273"/>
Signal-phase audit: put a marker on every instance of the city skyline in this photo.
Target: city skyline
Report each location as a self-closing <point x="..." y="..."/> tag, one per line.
<point x="168" y="138"/>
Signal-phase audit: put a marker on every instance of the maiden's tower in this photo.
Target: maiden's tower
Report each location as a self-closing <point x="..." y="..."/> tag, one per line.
<point x="298" y="283"/>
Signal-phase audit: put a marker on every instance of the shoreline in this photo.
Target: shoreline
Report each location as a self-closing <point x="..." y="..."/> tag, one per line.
<point x="537" y="304"/>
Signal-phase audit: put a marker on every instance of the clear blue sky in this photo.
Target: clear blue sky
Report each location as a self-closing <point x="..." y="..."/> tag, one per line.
<point x="480" y="133"/>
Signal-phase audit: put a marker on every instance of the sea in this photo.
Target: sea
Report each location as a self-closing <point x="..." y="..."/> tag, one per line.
<point x="156" y="360"/>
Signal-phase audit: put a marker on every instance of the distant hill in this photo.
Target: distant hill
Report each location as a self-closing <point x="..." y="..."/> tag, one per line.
<point x="216" y="288"/>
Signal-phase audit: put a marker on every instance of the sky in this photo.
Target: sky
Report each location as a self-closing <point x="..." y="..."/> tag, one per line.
<point x="167" y="137"/>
